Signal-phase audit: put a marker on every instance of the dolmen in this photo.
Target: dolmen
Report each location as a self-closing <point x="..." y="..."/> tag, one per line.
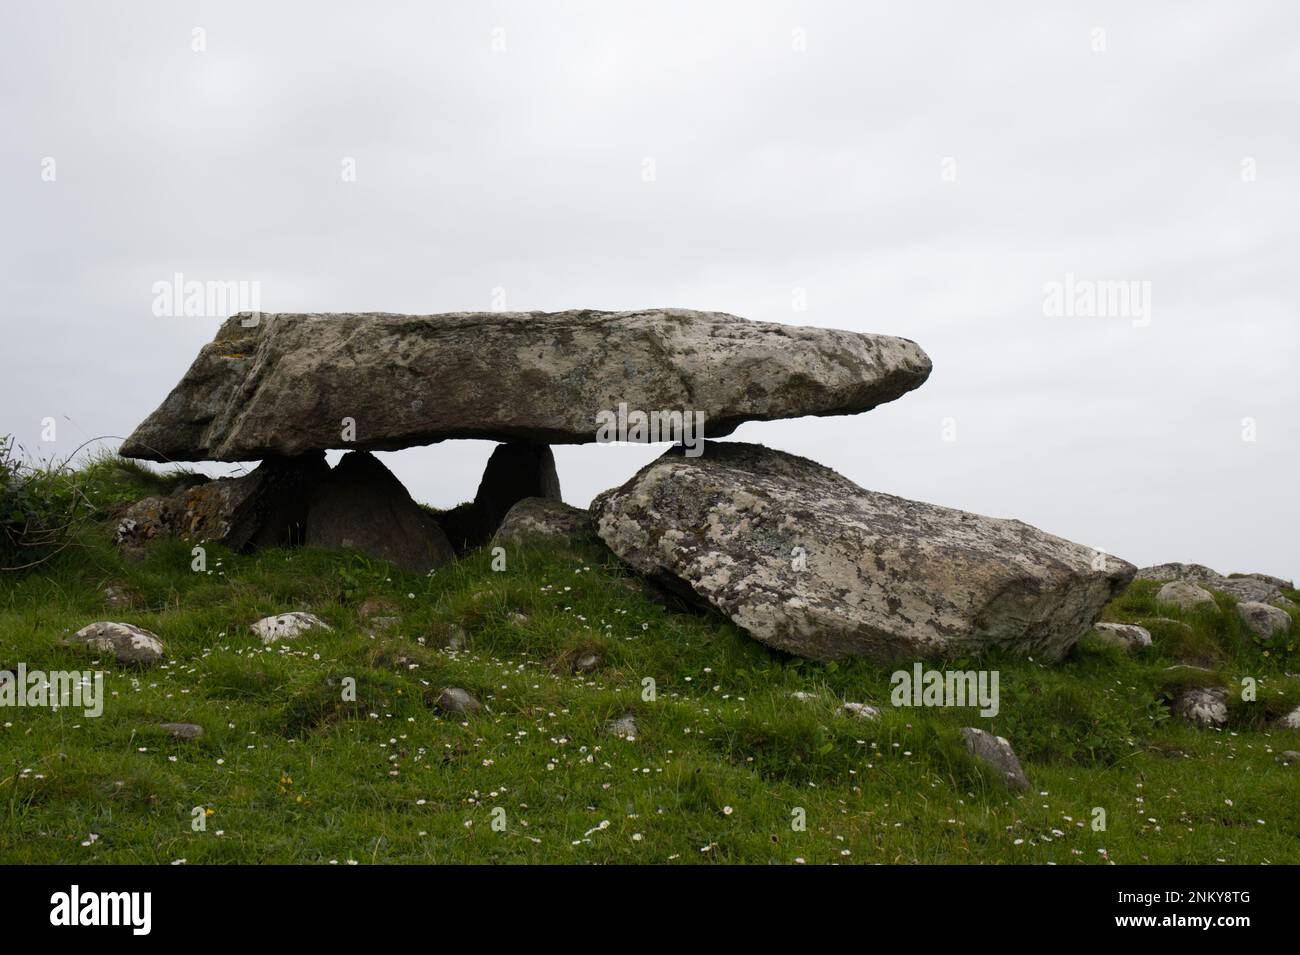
<point x="795" y="554"/>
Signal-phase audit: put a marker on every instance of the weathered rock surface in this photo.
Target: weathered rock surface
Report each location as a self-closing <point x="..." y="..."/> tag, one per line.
<point x="861" y="711"/>
<point x="1186" y="596"/>
<point x="1125" y="635"/>
<point x="1163" y="573"/>
<point x="996" y="752"/>
<point x="361" y="506"/>
<point x="1202" y="707"/>
<point x="128" y="643"/>
<point x="810" y="563"/>
<point x="1263" y="620"/>
<point x="1257" y="587"/>
<point x="516" y="471"/>
<point x="1292" y="720"/>
<point x="457" y="702"/>
<point x="282" y="384"/>
<point x="264" y="508"/>
<point x="287" y="626"/>
<point x="537" y="519"/>
<point x="183" y="731"/>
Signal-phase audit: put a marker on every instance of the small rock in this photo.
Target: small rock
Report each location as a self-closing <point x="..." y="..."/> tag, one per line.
<point x="1263" y="620"/>
<point x="1185" y="596"/>
<point x="1202" y="707"/>
<point x="287" y="626"/>
<point x="128" y="643"/>
<point x="1124" y="635"/>
<point x="863" y="711"/>
<point x="997" y="753"/>
<point x="186" y="731"/>
<point x="115" y="596"/>
<point x="803" y="697"/>
<point x="1290" y="757"/>
<point x="624" y="727"/>
<point x="1291" y="721"/>
<point x="457" y="702"/>
<point x="587" y="663"/>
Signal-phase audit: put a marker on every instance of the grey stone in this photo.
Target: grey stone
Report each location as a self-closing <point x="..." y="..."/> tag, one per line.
<point x="128" y="643"/>
<point x="185" y="731"/>
<point x="996" y="752"/>
<point x="1202" y="707"/>
<point x="1263" y="620"/>
<point x="1186" y="596"/>
<point x="1125" y="635"/>
<point x="516" y="471"/>
<point x="457" y="702"/>
<point x="287" y="626"/>
<point x="539" y="520"/>
<point x="862" y="711"/>
<point x="1196" y="573"/>
<point x="361" y="506"/>
<point x="624" y="727"/>
<point x="808" y="562"/>
<point x="587" y="663"/>
<point x="281" y="384"/>
<point x="1291" y="721"/>
<point x="1290" y="757"/>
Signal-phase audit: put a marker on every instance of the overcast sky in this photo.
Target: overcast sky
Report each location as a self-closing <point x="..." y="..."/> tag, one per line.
<point x="917" y="169"/>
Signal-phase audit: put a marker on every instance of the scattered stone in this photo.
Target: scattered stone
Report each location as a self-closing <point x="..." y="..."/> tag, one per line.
<point x="1127" y="636"/>
<point x="1257" y="587"/>
<point x="1196" y="573"/>
<point x="1291" y="721"/>
<point x="185" y="731"/>
<point x="587" y="663"/>
<point x="1263" y="620"/>
<point x="1202" y="707"/>
<point x="997" y="753"/>
<point x="361" y="506"/>
<point x="808" y="562"/>
<point x="539" y="519"/>
<point x="1186" y="596"/>
<point x="287" y="626"/>
<point x="1290" y="757"/>
<point x="115" y="596"/>
<point x="457" y="702"/>
<point x="624" y="727"/>
<point x="128" y="643"/>
<point x="801" y="697"/>
<point x="280" y="384"/>
<point x="862" y="711"/>
<point x="516" y="471"/>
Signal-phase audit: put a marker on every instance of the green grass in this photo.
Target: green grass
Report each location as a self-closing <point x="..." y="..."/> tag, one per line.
<point x="291" y="772"/>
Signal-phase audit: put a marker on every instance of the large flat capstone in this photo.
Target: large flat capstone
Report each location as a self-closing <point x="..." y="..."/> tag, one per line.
<point x="806" y="561"/>
<point x="286" y="383"/>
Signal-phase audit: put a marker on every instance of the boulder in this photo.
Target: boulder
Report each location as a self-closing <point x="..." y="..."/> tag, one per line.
<point x="810" y="563"/>
<point x="1186" y="596"/>
<point x="1124" y="635"/>
<point x="996" y="753"/>
<point x="515" y="472"/>
<point x="361" y="506"/>
<point x="287" y="626"/>
<point x="457" y="702"/>
<point x="1202" y="707"/>
<point x="1263" y="620"/>
<point x="1277" y="582"/>
<point x="1163" y="573"/>
<point x="1257" y="587"/>
<point x="265" y="508"/>
<point x="285" y="384"/>
<point x="538" y="519"/>
<point x="128" y="643"/>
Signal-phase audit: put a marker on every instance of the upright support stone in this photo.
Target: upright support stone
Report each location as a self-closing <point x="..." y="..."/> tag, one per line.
<point x="515" y="471"/>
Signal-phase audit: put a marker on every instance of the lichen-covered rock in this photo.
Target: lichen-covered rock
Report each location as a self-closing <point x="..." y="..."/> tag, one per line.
<point x="1263" y="620"/>
<point x="362" y="506"/>
<point x="128" y="643"/>
<point x="1291" y="720"/>
<point x="537" y="519"/>
<point x="996" y="752"/>
<point x="1125" y="635"/>
<point x="624" y="727"/>
<point x="1202" y="707"/>
<point x="1256" y="587"/>
<point x="810" y="563"/>
<point x="287" y="626"/>
<point x="284" y="384"/>
<point x="1186" y="596"/>
<point x="861" y="711"/>
<point x="1163" y="573"/>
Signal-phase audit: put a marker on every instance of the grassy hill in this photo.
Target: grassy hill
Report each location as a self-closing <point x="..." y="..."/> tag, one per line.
<point x="724" y="761"/>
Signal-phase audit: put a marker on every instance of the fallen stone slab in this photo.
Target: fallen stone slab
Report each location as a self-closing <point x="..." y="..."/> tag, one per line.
<point x="360" y="505"/>
<point x="128" y="643"/>
<point x="288" y="383"/>
<point x="807" y="562"/>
